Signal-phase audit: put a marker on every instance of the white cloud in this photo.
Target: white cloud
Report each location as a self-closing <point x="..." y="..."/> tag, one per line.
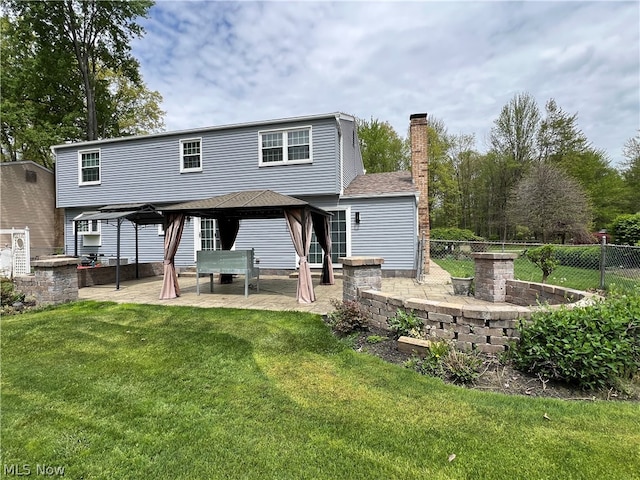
<point x="219" y="63"/>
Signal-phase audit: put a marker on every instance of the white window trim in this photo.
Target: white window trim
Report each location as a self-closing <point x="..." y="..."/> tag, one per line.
<point x="90" y="232"/>
<point x="285" y="150"/>
<point x="182" y="142"/>
<point x="347" y="218"/>
<point x="95" y="182"/>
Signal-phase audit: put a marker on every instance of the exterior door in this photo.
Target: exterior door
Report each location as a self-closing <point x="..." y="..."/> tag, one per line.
<point x="207" y="235"/>
<point x="340" y="240"/>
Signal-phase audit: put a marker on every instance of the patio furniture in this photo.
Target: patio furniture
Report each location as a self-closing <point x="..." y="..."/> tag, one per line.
<point x="240" y="262"/>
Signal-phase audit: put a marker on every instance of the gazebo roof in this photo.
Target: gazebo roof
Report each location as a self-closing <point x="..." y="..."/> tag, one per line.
<point x="244" y="204"/>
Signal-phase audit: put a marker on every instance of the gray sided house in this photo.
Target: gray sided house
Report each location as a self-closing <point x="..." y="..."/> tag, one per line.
<point x="314" y="158"/>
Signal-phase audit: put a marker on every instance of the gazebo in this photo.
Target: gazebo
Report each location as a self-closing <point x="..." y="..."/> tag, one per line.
<point x="229" y="209"/>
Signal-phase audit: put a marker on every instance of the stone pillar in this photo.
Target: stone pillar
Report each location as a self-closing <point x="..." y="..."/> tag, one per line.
<point x="492" y="272"/>
<point x="55" y="280"/>
<point x="360" y="273"/>
<point x="420" y="172"/>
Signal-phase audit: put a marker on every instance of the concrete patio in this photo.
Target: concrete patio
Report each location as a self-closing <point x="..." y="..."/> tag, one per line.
<point x="277" y="292"/>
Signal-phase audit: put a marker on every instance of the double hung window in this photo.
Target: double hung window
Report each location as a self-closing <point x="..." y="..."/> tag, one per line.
<point x="88" y="227"/>
<point x="89" y="167"/>
<point x="191" y="155"/>
<point x="285" y="146"/>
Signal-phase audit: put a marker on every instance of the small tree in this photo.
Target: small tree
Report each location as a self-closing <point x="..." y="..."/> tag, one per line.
<point x="543" y="257"/>
<point x="550" y="203"/>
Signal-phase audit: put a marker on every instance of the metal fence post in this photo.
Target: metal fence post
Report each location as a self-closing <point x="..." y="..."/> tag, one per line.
<point x="603" y="260"/>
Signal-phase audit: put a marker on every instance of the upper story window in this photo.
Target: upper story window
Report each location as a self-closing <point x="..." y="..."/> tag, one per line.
<point x="191" y="155"/>
<point x="89" y="167"/>
<point x="285" y="146"/>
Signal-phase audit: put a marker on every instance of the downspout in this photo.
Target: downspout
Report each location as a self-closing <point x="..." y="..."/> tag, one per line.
<point x="341" y="154"/>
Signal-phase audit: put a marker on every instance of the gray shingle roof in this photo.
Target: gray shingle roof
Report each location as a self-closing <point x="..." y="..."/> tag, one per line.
<point x="381" y="184"/>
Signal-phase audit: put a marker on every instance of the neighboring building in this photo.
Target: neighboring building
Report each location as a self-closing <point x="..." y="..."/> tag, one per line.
<point x="27" y="199"/>
<point x="315" y="158"/>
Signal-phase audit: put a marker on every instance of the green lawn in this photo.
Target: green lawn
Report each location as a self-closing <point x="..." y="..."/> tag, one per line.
<point x="130" y="392"/>
<point x="571" y="277"/>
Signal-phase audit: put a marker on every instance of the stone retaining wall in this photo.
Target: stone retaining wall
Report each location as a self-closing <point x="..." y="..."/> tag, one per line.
<point x="486" y="328"/>
<point x="530" y="293"/>
<point x="103" y="275"/>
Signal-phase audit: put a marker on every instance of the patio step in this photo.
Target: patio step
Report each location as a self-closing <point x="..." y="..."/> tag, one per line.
<point x="317" y="274"/>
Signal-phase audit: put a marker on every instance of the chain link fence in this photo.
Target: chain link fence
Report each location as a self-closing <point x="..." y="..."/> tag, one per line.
<point x="583" y="267"/>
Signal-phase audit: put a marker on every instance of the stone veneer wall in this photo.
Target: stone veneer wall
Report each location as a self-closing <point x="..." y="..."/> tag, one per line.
<point x="492" y="270"/>
<point x="55" y="280"/>
<point x="360" y="273"/>
<point x="530" y="293"/>
<point x="486" y="328"/>
<point x="88" y="277"/>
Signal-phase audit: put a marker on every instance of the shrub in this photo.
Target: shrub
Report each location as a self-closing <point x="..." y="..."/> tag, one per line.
<point x="593" y="346"/>
<point x="348" y="317"/>
<point x="440" y="249"/>
<point x="626" y="229"/>
<point x="581" y="257"/>
<point x="8" y="293"/>
<point x="444" y="361"/>
<point x="405" y="324"/>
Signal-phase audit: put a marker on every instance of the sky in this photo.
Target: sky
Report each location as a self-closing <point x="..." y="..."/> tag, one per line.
<point x="221" y="63"/>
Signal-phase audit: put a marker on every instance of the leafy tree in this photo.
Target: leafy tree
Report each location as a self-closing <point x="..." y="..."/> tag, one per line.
<point x="631" y="172"/>
<point x="514" y="132"/>
<point x="465" y="161"/>
<point x="383" y="150"/>
<point x="513" y="140"/>
<point x="602" y="183"/>
<point x="550" y="203"/>
<point x="93" y="34"/>
<point x="444" y="205"/>
<point x="39" y="100"/>
<point x="131" y="109"/>
<point x="559" y="138"/>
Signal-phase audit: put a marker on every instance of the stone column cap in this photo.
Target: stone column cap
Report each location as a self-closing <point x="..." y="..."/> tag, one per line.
<point x="494" y="255"/>
<point x="55" y="262"/>
<point x="361" y="261"/>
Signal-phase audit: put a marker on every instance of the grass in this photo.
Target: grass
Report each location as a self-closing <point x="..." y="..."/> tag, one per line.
<point x="131" y="391"/>
<point x="571" y="277"/>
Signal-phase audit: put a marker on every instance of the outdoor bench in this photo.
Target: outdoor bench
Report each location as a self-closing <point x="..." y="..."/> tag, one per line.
<point x="240" y="262"/>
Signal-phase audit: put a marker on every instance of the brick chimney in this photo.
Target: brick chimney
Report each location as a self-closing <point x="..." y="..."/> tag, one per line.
<point x="420" y="173"/>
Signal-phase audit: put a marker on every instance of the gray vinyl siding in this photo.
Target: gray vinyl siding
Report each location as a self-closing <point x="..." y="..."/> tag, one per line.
<point x="352" y="159"/>
<point x="147" y="170"/>
<point x="387" y="229"/>
<point x="271" y="241"/>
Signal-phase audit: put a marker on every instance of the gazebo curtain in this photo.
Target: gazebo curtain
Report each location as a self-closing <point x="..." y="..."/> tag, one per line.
<point x="322" y="227"/>
<point x="299" y="223"/>
<point x="228" y="228"/>
<point x="172" y="235"/>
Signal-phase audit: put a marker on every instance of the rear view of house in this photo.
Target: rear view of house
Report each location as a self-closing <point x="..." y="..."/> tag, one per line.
<point x="314" y="158"/>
